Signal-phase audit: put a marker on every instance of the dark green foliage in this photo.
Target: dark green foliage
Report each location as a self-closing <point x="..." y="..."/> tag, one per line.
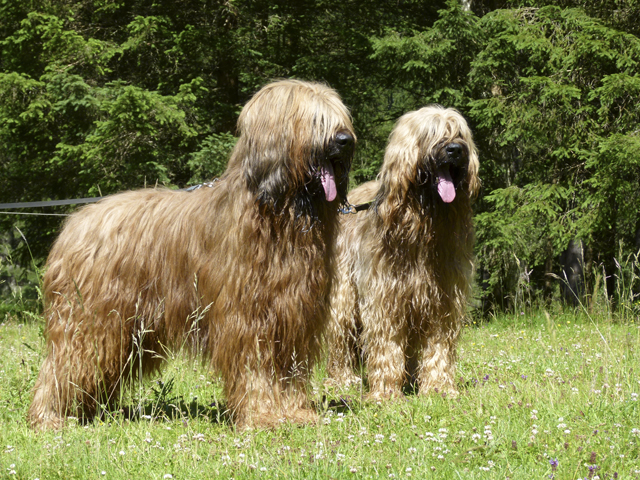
<point x="557" y="122"/>
<point x="431" y="65"/>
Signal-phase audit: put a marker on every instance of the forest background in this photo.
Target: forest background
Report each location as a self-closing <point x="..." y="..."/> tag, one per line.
<point x="99" y="96"/>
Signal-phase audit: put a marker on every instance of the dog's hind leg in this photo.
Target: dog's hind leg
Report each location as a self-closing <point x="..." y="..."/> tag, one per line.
<point x="46" y="410"/>
<point x="88" y="357"/>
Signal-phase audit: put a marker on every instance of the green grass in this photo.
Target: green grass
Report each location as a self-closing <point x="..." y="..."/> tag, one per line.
<point x="534" y="389"/>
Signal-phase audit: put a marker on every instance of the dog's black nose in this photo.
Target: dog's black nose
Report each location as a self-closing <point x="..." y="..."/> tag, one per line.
<point x="454" y="151"/>
<point x="344" y="139"/>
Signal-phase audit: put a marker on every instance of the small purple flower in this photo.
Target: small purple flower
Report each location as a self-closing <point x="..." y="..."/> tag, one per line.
<point x="592" y="470"/>
<point x="486" y="377"/>
<point x="554" y="464"/>
<point x="524" y="377"/>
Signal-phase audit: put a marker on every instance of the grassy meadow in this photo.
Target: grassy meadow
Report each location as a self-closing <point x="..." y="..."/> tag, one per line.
<point x="543" y="395"/>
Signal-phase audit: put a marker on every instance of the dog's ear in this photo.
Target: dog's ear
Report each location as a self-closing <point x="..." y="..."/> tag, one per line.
<point x="267" y="179"/>
<point x="472" y="173"/>
<point x="401" y="162"/>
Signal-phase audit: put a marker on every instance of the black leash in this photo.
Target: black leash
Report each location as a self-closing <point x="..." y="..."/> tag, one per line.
<point x="200" y="185"/>
<point x="78" y="201"/>
<point x="354" y="208"/>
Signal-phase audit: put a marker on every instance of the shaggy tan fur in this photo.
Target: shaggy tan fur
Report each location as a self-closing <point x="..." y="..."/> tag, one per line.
<point x="405" y="264"/>
<point x="239" y="271"/>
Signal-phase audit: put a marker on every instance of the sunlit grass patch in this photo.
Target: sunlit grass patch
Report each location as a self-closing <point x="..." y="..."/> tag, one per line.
<point x="552" y="397"/>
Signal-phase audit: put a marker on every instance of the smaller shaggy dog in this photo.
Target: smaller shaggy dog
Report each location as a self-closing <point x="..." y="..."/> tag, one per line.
<point x="405" y="263"/>
<point x="238" y="271"/>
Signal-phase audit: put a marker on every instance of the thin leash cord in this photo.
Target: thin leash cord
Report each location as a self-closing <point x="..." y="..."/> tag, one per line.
<point x="353" y="209"/>
<point x="77" y="201"/>
<point x="37" y="214"/>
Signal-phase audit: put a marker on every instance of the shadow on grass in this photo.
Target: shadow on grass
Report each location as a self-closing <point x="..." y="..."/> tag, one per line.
<point x="161" y="405"/>
<point x="177" y="409"/>
<point x="345" y="403"/>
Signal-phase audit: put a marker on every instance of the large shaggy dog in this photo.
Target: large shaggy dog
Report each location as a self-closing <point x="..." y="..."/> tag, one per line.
<point x="238" y="270"/>
<point x="405" y="263"/>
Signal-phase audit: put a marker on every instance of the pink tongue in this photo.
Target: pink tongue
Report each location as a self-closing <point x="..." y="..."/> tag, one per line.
<point x="445" y="185"/>
<point x="328" y="182"/>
